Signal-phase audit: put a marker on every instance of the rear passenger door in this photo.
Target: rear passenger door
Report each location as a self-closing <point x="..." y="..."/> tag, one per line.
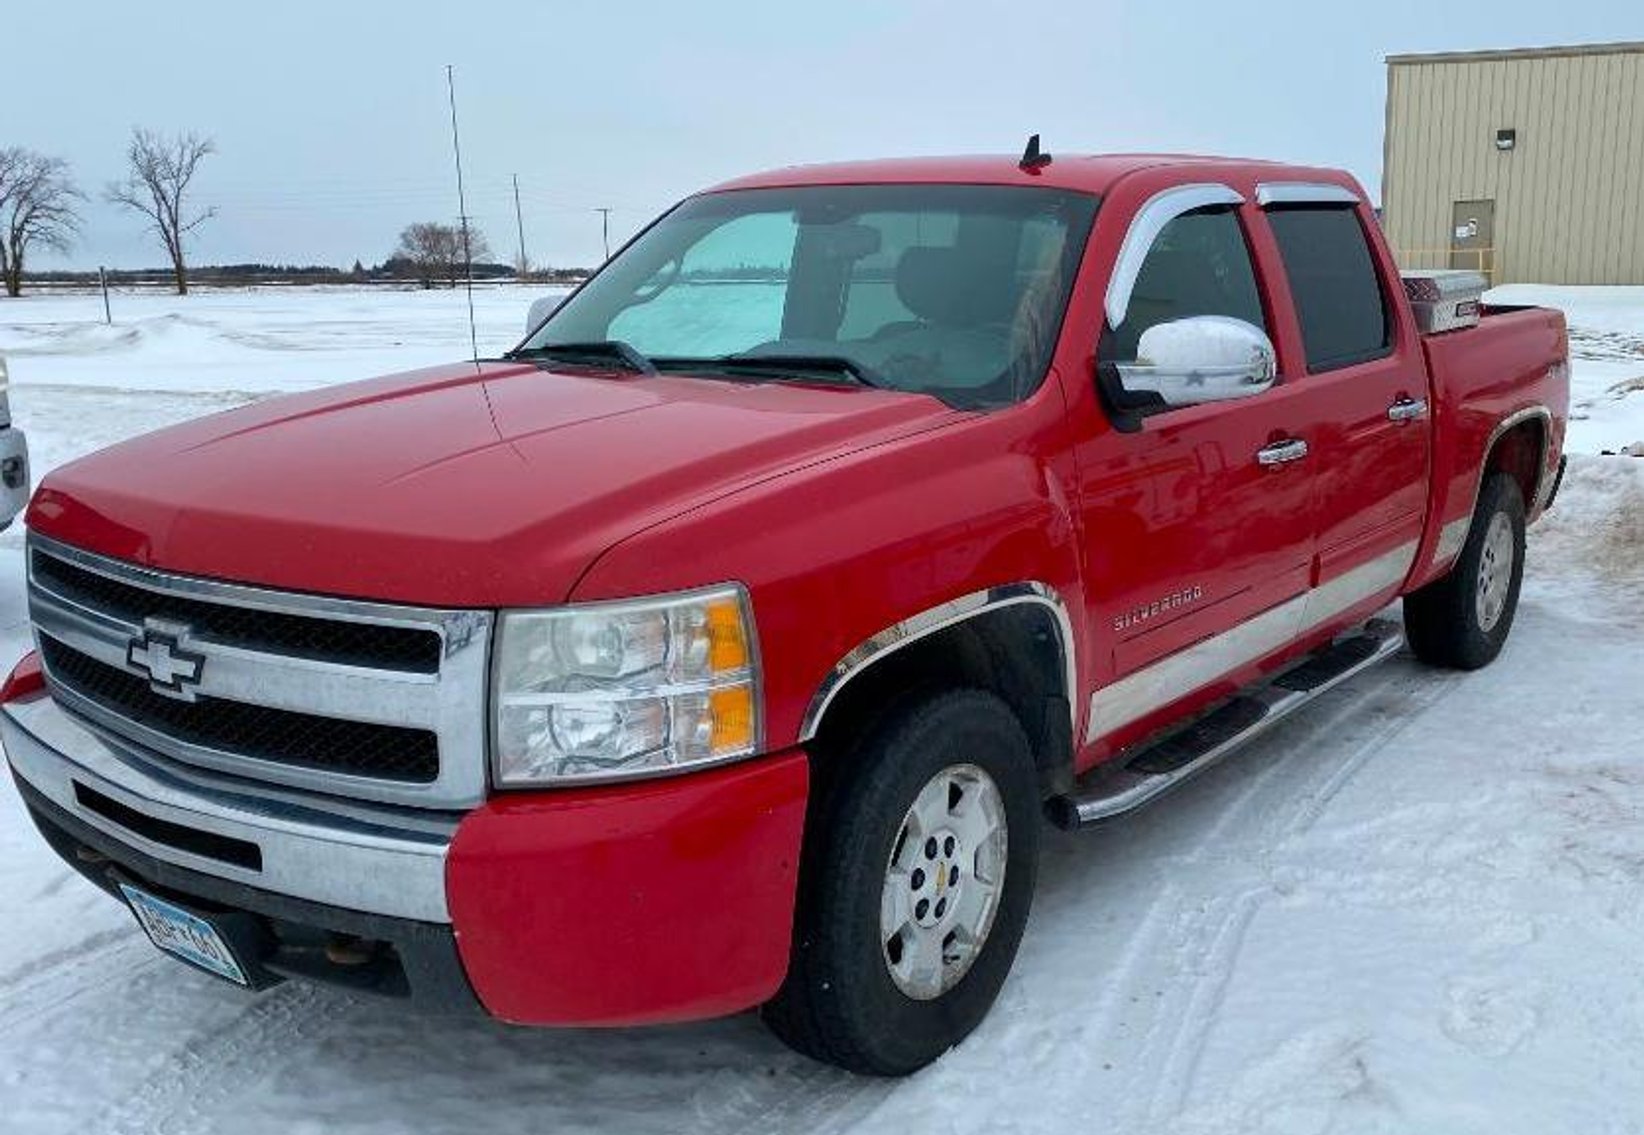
<point x="1371" y="438"/>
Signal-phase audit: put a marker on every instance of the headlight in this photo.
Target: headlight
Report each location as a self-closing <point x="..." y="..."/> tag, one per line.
<point x="611" y="691"/>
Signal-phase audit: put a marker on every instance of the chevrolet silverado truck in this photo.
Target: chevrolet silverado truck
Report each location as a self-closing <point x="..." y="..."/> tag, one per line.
<point x="728" y="643"/>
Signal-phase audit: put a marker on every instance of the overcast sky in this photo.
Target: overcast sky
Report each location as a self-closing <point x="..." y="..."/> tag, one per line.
<point x="332" y="130"/>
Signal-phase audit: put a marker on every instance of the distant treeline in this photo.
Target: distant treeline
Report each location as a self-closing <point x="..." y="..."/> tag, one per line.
<point x="390" y="271"/>
<point x="765" y="273"/>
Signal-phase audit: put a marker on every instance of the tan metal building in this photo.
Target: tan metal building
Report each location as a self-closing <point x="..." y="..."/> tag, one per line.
<point x="1529" y="164"/>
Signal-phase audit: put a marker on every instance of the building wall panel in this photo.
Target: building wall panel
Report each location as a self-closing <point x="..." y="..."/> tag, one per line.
<point x="1568" y="197"/>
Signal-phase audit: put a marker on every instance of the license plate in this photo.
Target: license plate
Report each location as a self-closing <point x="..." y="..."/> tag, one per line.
<point x="189" y="937"/>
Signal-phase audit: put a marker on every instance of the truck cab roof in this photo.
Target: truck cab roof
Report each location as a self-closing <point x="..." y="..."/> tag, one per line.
<point x="1086" y="173"/>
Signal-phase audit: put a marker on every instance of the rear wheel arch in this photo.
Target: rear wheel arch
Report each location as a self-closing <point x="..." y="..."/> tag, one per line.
<point x="1518" y="447"/>
<point x="1014" y="641"/>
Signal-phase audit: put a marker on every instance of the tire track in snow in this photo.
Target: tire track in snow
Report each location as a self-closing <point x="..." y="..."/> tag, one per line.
<point x="101" y="960"/>
<point x="1223" y="934"/>
<point x="186" y="1093"/>
<point x="1210" y="935"/>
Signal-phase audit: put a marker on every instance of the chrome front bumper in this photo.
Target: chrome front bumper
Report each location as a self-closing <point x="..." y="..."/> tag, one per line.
<point x="370" y="858"/>
<point x="14" y="473"/>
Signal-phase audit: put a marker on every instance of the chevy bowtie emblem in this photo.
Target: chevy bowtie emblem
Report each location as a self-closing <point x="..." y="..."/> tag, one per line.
<point x="161" y="653"/>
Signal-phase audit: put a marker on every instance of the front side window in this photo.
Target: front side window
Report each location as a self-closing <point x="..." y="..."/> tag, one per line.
<point x="952" y="290"/>
<point x="1199" y="265"/>
<point x="1194" y="330"/>
<point x="1333" y="279"/>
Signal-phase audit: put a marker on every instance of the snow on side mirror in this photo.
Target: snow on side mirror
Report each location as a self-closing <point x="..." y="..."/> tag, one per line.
<point x="1204" y="358"/>
<point x="540" y="311"/>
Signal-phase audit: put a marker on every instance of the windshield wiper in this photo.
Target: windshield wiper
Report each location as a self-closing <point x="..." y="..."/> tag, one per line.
<point x="611" y="350"/>
<point x="791" y="366"/>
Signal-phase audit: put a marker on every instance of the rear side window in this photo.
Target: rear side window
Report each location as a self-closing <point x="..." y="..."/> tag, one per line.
<point x="1333" y="279"/>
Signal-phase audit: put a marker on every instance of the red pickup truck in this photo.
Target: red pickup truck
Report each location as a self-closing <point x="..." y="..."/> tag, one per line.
<point x="728" y="642"/>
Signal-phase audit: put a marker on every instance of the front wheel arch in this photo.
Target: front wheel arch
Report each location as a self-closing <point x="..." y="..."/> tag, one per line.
<point x="1017" y="644"/>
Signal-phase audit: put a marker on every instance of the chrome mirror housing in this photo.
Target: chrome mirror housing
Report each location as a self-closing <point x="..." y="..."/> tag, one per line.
<point x="1204" y="358"/>
<point x="540" y="311"/>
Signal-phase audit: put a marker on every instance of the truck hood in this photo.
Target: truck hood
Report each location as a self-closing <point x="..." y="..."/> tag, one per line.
<point x="489" y="484"/>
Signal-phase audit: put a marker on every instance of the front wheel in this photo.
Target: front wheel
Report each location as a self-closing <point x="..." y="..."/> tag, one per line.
<point x="1462" y="620"/>
<point x="917" y="887"/>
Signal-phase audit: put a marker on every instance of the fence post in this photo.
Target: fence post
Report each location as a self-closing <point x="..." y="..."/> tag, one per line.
<point x="102" y="278"/>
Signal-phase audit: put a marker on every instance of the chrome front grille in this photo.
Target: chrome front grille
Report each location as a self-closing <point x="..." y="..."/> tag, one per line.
<point x="365" y="700"/>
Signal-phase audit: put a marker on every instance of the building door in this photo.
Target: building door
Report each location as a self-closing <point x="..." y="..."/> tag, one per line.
<point x="1473" y="236"/>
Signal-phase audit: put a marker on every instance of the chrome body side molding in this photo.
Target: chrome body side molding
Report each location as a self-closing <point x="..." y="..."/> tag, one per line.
<point x="938" y="618"/>
<point x="1451" y="538"/>
<point x="1149" y="222"/>
<point x="1303" y="193"/>
<point x="1155" y="686"/>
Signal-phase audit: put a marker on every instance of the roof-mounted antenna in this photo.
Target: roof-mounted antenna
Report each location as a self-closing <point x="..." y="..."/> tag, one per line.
<point x="1033" y="160"/>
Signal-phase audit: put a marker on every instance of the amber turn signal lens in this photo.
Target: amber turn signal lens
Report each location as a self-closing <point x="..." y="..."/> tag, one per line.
<point x="733" y="719"/>
<point x="727" y="637"/>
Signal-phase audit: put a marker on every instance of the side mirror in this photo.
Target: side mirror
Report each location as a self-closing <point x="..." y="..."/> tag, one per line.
<point x="540" y="311"/>
<point x="1204" y="358"/>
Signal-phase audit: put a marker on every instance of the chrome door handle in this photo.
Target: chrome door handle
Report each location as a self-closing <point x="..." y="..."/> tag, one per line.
<point x="1282" y="452"/>
<point x="1407" y="410"/>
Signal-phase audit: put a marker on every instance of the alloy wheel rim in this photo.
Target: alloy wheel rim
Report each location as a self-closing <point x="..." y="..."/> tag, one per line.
<point x="1495" y="572"/>
<point x="943" y="881"/>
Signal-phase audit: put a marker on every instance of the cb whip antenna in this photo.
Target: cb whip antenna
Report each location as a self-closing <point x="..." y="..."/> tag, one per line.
<point x="462" y="214"/>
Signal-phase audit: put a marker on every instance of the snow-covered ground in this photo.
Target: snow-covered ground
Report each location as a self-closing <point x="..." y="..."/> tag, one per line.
<point x="1606" y="357"/>
<point x="1416" y="908"/>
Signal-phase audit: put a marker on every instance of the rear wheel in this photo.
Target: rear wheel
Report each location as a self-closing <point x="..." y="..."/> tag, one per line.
<point x="1462" y="621"/>
<point x="917" y="885"/>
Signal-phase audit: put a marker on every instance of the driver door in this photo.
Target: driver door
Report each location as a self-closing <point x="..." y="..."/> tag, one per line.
<point x="1198" y="518"/>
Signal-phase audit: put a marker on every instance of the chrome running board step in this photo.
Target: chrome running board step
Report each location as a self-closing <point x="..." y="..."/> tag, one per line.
<point x="1126" y="782"/>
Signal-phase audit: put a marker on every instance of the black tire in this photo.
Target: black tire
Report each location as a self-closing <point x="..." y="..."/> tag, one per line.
<point x="1442" y="621"/>
<point x="840" y="1003"/>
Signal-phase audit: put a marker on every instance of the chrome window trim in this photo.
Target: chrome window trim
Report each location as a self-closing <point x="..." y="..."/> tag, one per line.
<point x="1150" y="220"/>
<point x="938" y="618"/>
<point x="1175" y="676"/>
<point x="1454" y="535"/>
<point x="449" y="703"/>
<point x="372" y="858"/>
<point x="1304" y="193"/>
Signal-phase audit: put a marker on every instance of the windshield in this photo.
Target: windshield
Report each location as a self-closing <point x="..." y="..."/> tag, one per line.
<point x="951" y="290"/>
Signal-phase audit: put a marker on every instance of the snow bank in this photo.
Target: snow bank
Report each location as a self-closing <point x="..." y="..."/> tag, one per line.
<point x="1596" y="526"/>
<point x="260" y="340"/>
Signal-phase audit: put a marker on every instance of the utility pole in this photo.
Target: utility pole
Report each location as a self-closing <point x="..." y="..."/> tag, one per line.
<point x="519" y="220"/>
<point x="605" y="229"/>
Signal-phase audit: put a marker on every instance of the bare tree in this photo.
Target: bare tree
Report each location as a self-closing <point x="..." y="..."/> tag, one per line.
<point x="161" y="170"/>
<point x="430" y="251"/>
<point x="36" y="209"/>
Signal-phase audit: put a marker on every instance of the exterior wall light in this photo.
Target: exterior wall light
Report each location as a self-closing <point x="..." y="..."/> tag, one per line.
<point x="1506" y="140"/>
